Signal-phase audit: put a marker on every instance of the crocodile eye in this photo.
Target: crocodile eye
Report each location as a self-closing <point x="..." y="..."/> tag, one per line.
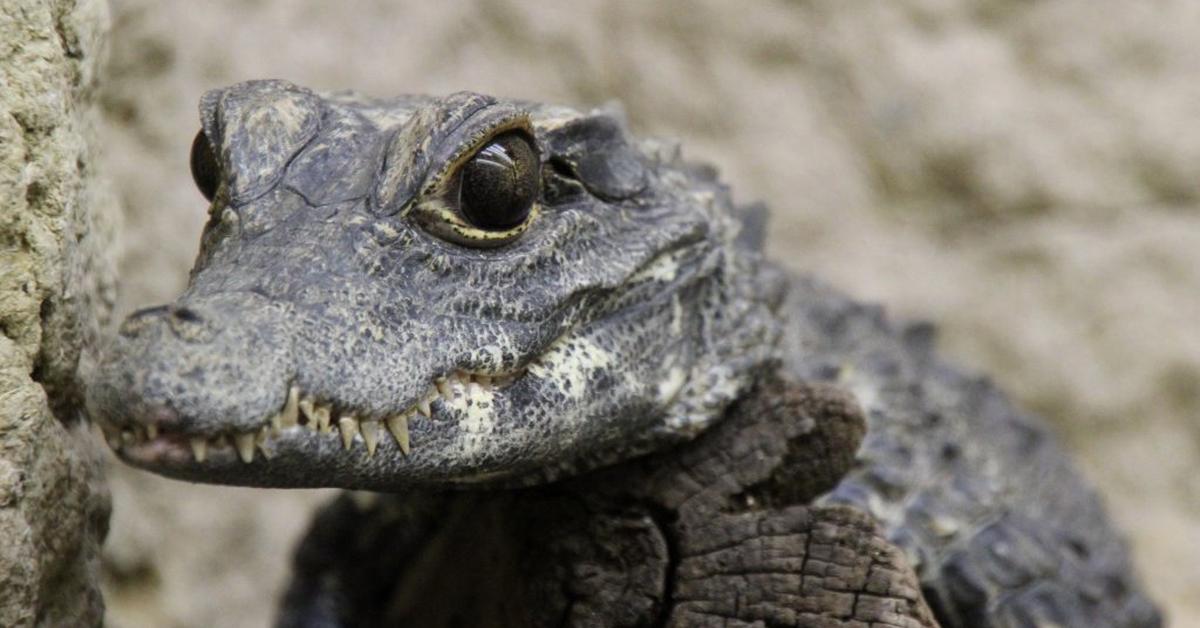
<point x="205" y="171"/>
<point x="499" y="184"/>
<point x="486" y="189"/>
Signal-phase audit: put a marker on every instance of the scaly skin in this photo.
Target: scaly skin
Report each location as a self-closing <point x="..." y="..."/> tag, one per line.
<point x="347" y="325"/>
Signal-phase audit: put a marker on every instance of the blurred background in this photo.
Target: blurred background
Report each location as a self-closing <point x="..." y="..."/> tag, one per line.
<point x="1026" y="174"/>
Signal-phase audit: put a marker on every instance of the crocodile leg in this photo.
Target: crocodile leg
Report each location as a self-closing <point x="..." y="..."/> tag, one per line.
<point x="357" y="549"/>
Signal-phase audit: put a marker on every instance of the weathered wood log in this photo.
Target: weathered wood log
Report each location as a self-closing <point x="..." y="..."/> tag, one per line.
<point x="718" y="532"/>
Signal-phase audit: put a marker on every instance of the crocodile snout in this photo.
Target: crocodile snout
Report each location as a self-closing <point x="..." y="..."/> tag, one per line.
<point x="188" y="324"/>
<point x="195" y="367"/>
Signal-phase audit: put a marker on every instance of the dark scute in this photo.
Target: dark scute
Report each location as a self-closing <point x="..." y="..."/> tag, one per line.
<point x="597" y="150"/>
<point x="339" y="164"/>
<point x="613" y="172"/>
<point x="205" y="171"/>
<point x="500" y="183"/>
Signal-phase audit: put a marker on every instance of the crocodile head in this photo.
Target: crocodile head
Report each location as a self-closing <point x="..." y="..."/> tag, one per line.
<point x="424" y="290"/>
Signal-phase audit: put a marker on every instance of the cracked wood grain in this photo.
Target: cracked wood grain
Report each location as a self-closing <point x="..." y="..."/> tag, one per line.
<point x="718" y="532"/>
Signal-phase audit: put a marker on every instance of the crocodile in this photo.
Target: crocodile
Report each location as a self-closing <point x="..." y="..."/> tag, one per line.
<point x="566" y="387"/>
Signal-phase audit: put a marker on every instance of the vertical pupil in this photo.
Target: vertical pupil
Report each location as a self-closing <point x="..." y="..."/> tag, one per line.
<point x="500" y="183"/>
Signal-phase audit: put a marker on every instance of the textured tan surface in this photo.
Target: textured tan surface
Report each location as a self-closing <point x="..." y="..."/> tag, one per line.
<point x="1024" y="173"/>
<point x="55" y="281"/>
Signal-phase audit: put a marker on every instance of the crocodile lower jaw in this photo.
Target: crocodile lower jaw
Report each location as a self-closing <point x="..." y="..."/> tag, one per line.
<point x="301" y="414"/>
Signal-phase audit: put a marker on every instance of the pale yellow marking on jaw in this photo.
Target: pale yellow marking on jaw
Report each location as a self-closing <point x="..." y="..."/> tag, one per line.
<point x="477" y="405"/>
<point x="570" y="371"/>
<point x="670" y="386"/>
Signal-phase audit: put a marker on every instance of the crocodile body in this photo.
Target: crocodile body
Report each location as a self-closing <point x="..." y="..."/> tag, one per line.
<point x="475" y="295"/>
<point x="1000" y="527"/>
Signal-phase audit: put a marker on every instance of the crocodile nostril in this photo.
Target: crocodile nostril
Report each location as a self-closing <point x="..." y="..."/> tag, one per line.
<point x="149" y="311"/>
<point x="191" y="325"/>
<point x="186" y="322"/>
<point x="139" y="320"/>
<point x="186" y="315"/>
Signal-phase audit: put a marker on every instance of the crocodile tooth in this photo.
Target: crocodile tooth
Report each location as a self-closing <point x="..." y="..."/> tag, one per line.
<point x="127" y="437"/>
<point x="423" y="407"/>
<point x="291" y="411"/>
<point x="398" y="426"/>
<point x="321" y="415"/>
<point x="245" y="445"/>
<point x="474" y="389"/>
<point x="111" y="434"/>
<point x="260" y="438"/>
<point x="370" y="434"/>
<point x="443" y="387"/>
<point x="944" y="527"/>
<point x="199" y="448"/>
<point x="306" y="407"/>
<point x="348" y="427"/>
<point x="151" y="431"/>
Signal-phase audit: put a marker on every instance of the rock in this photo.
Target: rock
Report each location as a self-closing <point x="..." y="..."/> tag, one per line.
<point x="56" y="287"/>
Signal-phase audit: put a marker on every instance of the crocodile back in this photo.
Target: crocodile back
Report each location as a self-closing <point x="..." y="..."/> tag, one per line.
<point x="1001" y="528"/>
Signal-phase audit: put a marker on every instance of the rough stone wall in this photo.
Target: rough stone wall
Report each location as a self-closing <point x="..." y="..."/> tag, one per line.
<point x="1023" y="173"/>
<point x="55" y="287"/>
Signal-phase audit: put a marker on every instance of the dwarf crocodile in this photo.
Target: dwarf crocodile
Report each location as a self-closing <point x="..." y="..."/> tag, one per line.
<point x="577" y="392"/>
